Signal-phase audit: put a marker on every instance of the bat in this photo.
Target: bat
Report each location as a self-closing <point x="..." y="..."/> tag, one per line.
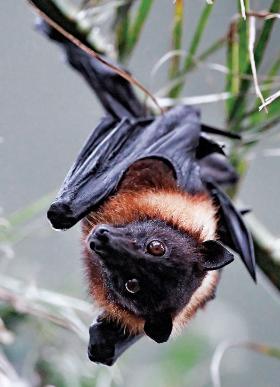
<point x="155" y="219"/>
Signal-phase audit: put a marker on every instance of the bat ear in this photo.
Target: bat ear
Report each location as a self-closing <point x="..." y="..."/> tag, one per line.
<point x="159" y="327"/>
<point x="215" y="255"/>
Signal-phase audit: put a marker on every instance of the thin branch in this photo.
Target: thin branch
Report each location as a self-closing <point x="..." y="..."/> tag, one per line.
<point x="243" y="10"/>
<point x="267" y="250"/>
<point x="237" y="109"/>
<point x="269" y="100"/>
<point x="251" y="43"/>
<point x="226" y="345"/>
<point x="265" y="239"/>
<point x="195" y="100"/>
<point x="92" y="53"/>
<point x="165" y="58"/>
<point x="54" y="307"/>
<point x="263" y="14"/>
<point x="43" y="295"/>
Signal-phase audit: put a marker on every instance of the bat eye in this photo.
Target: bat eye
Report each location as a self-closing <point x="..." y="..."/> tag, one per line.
<point x="132" y="286"/>
<point x="156" y="248"/>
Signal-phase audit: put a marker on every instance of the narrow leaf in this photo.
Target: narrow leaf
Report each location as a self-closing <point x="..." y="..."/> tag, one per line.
<point x="177" y="32"/>
<point x="195" y="41"/>
<point x="137" y="26"/>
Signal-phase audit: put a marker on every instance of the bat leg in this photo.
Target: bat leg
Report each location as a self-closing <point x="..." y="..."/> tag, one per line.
<point x="108" y="340"/>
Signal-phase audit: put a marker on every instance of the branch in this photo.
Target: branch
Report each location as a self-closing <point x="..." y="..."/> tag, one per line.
<point x="53" y="16"/>
<point x="226" y="345"/>
<point x="267" y="249"/>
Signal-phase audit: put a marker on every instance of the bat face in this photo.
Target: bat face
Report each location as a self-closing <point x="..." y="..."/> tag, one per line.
<point x="151" y="269"/>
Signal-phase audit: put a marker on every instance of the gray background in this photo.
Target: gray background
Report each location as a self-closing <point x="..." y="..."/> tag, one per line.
<point x="46" y="112"/>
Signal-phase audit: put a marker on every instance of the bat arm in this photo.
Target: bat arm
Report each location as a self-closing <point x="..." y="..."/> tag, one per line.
<point x="108" y="340"/>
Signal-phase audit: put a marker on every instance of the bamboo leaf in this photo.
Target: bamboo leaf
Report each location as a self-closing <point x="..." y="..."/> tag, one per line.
<point x="232" y="78"/>
<point x="211" y="49"/>
<point x="122" y="30"/>
<point x="195" y="41"/>
<point x="137" y="26"/>
<point x="217" y="45"/>
<point x="198" y="35"/>
<point x="177" y="32"/>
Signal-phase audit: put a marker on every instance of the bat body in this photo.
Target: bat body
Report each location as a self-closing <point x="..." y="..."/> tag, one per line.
<point x="143" y="290"/>
<point x="148" y="192"/>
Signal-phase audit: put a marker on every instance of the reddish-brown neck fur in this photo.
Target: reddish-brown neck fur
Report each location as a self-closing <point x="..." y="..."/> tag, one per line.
<point x="149" y="190"/>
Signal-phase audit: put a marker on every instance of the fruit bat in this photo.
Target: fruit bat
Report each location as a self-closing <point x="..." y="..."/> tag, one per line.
<point x="155" y="220"/>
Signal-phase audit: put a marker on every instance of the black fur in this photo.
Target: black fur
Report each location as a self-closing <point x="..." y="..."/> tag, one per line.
<point x="166" y="282"/>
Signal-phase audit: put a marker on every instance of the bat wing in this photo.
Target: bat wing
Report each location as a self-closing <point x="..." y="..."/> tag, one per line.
<point x="217" y="167"/>
<point x="114" y="146"/>
<point x="124" y="137"/>
<point x="115" y="93"/>
<point x="233" y="232"/>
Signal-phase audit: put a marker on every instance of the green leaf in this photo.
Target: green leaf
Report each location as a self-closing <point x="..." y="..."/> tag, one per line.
<point x="137" y="26"/>
<point x="232" y="79"/>
<point x="195" y="41"/>
<point x="177" y="32"/>
<point x="217" y="45"/>
<point x="122" y="30"/>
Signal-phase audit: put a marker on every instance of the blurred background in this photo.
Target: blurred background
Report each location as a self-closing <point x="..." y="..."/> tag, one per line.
<point x="46" y="113"/>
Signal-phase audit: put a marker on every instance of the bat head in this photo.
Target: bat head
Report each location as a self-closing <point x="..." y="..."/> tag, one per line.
<point x="152" y="269"/>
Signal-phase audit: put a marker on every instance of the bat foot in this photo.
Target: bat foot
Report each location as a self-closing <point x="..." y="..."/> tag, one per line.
<point x="107" y="341"/>
<point x="101" y="354"/>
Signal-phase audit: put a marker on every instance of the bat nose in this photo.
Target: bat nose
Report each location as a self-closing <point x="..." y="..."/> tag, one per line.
<point x="100" y="235"/>
<point x="102" y="232"/>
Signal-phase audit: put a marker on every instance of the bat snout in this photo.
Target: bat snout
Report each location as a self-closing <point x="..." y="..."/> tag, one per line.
<point x="110" y="242"/>
<point x="102" y="233"/>
<point x="100" y="238"/>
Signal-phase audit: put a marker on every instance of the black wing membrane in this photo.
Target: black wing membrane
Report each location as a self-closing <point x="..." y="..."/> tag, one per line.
<point x="233" y="231"/>
<point x="114" y="92"/>
<point x="126" y="135"/>
<point x="113" y="147"/>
